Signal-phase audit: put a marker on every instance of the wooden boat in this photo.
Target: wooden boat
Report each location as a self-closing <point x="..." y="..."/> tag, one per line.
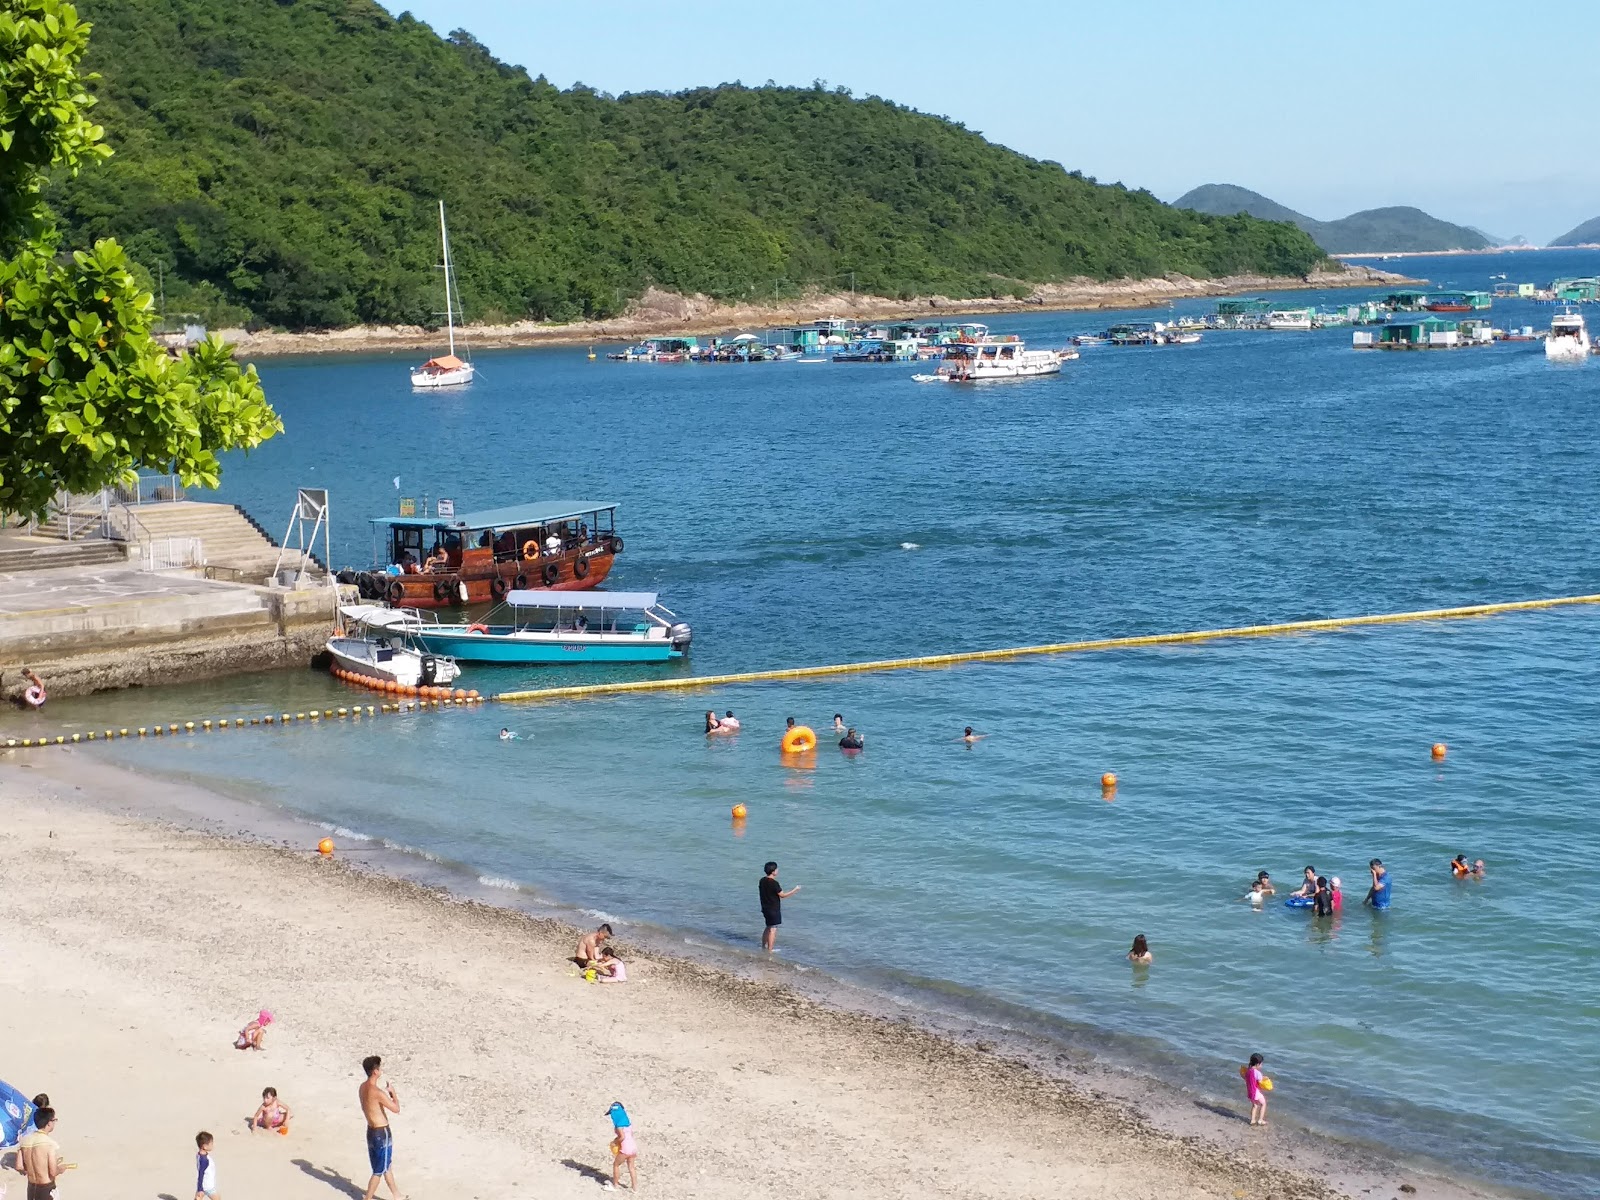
<point x="386" y="655"/>
<point x="438" y="562"/>
<point x="549" y="628"/>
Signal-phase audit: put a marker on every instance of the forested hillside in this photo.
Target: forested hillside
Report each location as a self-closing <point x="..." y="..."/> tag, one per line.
<point x="280" y="161"/>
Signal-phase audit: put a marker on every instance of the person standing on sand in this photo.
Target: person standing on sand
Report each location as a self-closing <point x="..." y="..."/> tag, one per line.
<point x="205" y="1168"/>
<point x="772" y="898"/>
<point x="378" y="1100"/>
<point x="39" y="1157"/>
<point x="1254" y="1080"/>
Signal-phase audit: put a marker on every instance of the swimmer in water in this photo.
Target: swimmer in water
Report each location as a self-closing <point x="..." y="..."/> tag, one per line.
<point x="1308" y="889"/>
<point x="1265" y="881"/>
<point x="852" y="740"/>
<point x="1140" y="955"/>
<point x="969" y="737"/>
<point x="712" y="724"/>
<point x="1255" y="895"/>
<point x="1459" y="868"/>
<point x="730" y="723"/>
<point x="1337" y="889"/>
<point x="838" y="722"/>
<point x="507" y="736"/>
<point x="1478" y="871"/>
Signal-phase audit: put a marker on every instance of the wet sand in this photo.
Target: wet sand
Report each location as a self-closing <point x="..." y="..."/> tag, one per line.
<point x="658" y="313"/>
<point x="138" y="947"/>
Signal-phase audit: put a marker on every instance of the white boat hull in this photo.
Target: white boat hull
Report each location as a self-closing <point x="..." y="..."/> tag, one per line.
<point x="379" y="660"/>
<point x="436" y="379"/>
<point x="1030" y="364"/>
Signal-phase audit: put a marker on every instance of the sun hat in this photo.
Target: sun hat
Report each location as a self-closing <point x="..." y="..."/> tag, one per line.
<point x="618" y="1115"/>
<point x="265" y="1016"/>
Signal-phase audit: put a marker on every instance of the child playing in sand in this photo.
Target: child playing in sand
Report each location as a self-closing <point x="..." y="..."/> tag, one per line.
<point x="1253" y="1079"/>
<point x="623" y="1147"/>
<point x="273" y="1113"/>
<point x="205" y="1182"/>
<point x="610" y="968"/>
<point x="253" y="1035"/>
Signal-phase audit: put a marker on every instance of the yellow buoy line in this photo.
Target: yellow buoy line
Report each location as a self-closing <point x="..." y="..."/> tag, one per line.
<point x="270" y="720"/>
<point x="974" y="656"/>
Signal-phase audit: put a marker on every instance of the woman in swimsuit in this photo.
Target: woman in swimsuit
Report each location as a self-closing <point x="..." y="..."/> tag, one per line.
<point x="1140" y="955"/>
<point x="712" y="724"/>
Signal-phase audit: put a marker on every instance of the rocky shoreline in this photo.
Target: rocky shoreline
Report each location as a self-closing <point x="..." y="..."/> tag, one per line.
<point x="659" y="313"/>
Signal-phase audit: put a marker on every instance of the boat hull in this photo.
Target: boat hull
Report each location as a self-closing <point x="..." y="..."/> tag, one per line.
<point x="367" y="659"/>
<point x="437" y="379"/>
<point x="1565" y="349"/>
<point x="522" y="649"/>
<point x="486" y="583"/>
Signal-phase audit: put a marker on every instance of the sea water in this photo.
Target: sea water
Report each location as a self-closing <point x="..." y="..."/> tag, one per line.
<point x="799" y="514"/>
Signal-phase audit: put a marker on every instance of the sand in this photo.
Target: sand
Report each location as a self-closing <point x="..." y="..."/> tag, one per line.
<point x="660" y="313"/>
<point x="136" y="949"/>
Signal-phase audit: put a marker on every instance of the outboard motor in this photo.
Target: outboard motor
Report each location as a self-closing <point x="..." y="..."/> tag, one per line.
<point x="430" y="665"/>
<point x="680" y="635"/>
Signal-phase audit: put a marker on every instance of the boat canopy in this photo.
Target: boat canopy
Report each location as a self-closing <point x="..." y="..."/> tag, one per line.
<point x="518" y="516"/>
<point x="589" y="601"/>
<point x="445" y="362"/>
<point x="378" y="616"/>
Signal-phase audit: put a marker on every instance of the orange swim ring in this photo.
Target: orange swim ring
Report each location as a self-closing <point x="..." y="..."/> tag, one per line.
<point x="799" y="739"/>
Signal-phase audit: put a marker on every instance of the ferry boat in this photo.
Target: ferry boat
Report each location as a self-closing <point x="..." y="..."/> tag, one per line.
<point x="1568" y="340"/>
<point x="441" y="561"/>
<point x="996" y="358"/>
<point x="547" y="628"/>
<point x="446" y="370"/>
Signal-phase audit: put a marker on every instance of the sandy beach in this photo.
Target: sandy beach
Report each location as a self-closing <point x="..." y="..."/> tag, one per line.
<point x="138" y="948"/>
<point x="659" y="313"/>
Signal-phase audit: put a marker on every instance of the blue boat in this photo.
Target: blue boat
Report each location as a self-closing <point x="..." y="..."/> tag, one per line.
<point x="548" y="628"/>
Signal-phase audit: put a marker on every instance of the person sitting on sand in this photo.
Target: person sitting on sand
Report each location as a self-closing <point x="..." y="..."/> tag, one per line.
<point x="1265" y="881"/>
<point x="729" y="723"/>
<point x="588" y="952"/>
<point x="273" y="1113"/>
<point x="1308" y="888"/>
<point x="969" y="737"/>
<point x="610" y="968"/>
<point x="253" y="1035"/>
<point x="1140" y="955"/>
<point x="852" y="740"/>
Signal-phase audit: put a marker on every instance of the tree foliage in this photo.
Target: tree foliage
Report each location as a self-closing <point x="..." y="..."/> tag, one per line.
<point x="87" y="396"/>
<point x="283" y="160"/>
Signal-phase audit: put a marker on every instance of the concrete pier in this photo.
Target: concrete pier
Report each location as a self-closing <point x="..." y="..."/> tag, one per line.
<point x="89" y="628"/>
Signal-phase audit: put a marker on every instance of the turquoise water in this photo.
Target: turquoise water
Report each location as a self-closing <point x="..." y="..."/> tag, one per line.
<point x="797" y="514"/>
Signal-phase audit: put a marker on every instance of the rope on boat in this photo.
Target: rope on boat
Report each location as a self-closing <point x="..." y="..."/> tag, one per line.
<point x="974" y="656"/>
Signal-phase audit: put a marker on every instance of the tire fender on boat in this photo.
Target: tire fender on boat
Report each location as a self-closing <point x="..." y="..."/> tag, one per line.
<point x="441" y="590"/>
<point x="521" y="581"/>
<point x="552" y="572"/>
<point x="498" y="588"/>
<point x="580" y="568"/>
<point x="397" y="592"/>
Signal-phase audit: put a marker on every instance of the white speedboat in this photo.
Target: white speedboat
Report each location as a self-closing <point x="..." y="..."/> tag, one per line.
<point x="1568" y="340"/>
<point x="1295" y="319"/>
<point x="996" y="358"/>
<point x="386" y="654"/>
<point x="446" y="370"/>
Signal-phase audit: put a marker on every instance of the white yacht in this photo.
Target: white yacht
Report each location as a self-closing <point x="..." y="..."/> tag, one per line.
<point x="446" y="370"/>
<point x="1298" y="319"/>
<point x="1568" y="339"/>
<point x="995" y="358"/>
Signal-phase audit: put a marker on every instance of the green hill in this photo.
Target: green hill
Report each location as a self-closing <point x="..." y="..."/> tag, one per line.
<point x="1587" y="234"/>
<point x="1381" y="230"/>
<point x="282" y="161"/>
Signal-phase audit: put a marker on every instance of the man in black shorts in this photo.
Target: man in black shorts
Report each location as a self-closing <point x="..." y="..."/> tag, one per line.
<point x="772" y="898"/>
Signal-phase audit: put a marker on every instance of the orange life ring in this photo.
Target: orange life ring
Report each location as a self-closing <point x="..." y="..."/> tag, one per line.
<point x="34" y="694"/>
<point x="799" y="739"/>
<point x="530" y="549"/>
<point x="477" y="628"/>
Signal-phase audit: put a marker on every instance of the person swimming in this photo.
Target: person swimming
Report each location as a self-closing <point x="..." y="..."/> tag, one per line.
<point x="1308" y="888"/>
<point x="1256" y="895"/>
<point x="1265" y="881"/>
<point x="507" y="736"/>
<point x="729" y="723"/>
<point x="969" y="737"/>
<point x="838" y="722"/>
<point x="1459" y="868"/>
<point x="1478" y="870"/>
<point x="1140" y="955"/>
<point x="1322" y="899"/>
<point x="852" y="740"/>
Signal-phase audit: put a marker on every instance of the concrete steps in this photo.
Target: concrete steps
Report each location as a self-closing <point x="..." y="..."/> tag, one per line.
<point x="228" y="538"/>
<point x="28" y="554"/>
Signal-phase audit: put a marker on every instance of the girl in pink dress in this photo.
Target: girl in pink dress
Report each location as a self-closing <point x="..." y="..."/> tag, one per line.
<point x="1253" y="1077"/>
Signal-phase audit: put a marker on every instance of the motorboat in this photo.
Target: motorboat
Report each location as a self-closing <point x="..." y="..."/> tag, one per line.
<point x="446" y="370"/>
<point x="543" y="628"/>
<point x="1293" y="319"/>
<point x="996" y="358"/>
<point x="1568" y="339"/>
<point x="386" y="655"/>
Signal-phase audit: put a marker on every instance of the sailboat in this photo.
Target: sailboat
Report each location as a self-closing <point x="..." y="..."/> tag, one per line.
<point x="446" y="370"/>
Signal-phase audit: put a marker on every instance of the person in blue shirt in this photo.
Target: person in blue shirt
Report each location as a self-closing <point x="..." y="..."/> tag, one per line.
<point x="1378" y="896"/>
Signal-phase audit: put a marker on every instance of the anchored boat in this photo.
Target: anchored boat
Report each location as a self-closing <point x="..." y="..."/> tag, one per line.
<point x="436" y="562"/>
<point x="995" y="358"/>
<point x="447" y="370"/>
<point x="554" y="627"/>
<point x="386" y="655"/>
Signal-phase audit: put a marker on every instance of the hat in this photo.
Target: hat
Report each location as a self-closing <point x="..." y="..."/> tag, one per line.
<point x="1335" y="881"/>
<point x="265" y="1016"/>
<point x="618" y="1115"/>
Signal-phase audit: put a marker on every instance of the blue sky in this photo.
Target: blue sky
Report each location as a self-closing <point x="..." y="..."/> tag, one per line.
<point x="1457" y="108"/>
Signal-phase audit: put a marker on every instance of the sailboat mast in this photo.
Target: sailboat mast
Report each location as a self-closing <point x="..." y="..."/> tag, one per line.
<point x="444" y="242"/>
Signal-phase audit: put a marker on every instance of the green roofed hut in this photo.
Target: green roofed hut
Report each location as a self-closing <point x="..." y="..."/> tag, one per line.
<point x="1425" y="332"/>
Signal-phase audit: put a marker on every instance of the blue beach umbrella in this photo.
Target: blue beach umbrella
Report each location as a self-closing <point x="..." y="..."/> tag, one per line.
<point x="16" y="1114"/>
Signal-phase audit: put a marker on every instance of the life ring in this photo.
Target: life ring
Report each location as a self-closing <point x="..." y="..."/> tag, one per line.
<point x="551" y="573"/>
<point x="498" y="588"/>
<point x="521" y="581"/>
<point x="799" y="739"/>
<point x="477" y="627"/>
<point x="530" y="550"/>
<point x="34" y="695"/>
<point x="441" y="590"/>
<point x="397" y="591"/>
<point x="580" y="568"/>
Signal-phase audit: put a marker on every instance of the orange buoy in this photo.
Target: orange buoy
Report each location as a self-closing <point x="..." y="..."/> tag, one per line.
<point x="325" y="847"/>
<point x="1108" y="780"/>
<point x="740" y="812"/>
<point x="1439" y="751"/>
<point x="461" y="694"/>
<point x="473" y="696"/>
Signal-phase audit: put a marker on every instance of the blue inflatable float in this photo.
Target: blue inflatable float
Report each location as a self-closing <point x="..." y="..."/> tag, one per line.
<point x="1298" y="902"/>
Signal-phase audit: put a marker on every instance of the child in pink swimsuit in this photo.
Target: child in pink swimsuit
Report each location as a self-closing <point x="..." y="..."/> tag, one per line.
<point x="623" y="1148"/>
<point x="1253" y="1089"/>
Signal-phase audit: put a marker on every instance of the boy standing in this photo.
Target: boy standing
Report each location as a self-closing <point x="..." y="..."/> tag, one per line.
<point x="39" y="1156"/>
<point x="378" y="1100"/>
<point x="205" y="1168"/>
<point x="772" y="898"/>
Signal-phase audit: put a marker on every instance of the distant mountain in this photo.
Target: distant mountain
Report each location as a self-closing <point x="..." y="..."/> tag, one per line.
<point x="1381" y="230"/>
<point x="1587" y="234"/>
